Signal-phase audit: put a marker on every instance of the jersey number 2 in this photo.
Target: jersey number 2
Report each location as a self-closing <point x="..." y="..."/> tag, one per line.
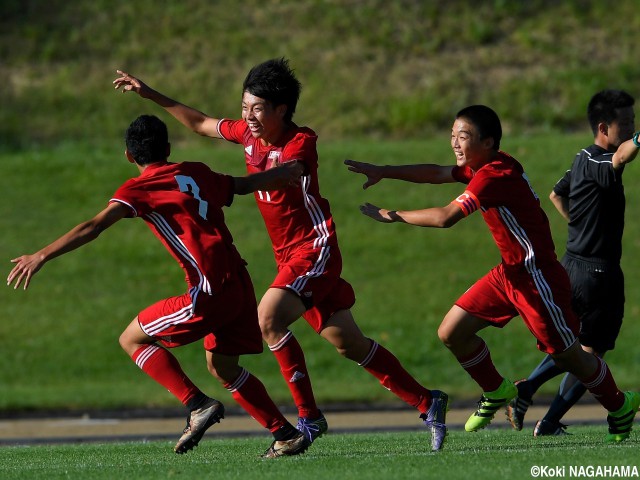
<point x="188" y="185"/>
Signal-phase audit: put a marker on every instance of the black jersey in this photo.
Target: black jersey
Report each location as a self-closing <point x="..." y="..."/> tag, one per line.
<point x="596" y="205"/>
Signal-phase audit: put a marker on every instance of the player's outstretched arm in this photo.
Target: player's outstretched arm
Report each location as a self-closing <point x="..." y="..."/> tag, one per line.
<point x="418" y="173"/>
<point x="285" y="175"/>
<point x="195" y="120"/>
<point x="26" y="266"/>
<point x="626" y="152"/>
<point x="438" y="217"/>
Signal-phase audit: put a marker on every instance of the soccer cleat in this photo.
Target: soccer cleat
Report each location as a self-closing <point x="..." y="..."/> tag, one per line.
<point x="620" y="425"/>
<point x="436" y="417"/>
<point x="198" y="422"/>
<point x="294" y="446"/>
<point x="489" y="404"/>
<point x="517" y="408"/>
<point x="312" y="429"/>
<point x="545" y="427"/>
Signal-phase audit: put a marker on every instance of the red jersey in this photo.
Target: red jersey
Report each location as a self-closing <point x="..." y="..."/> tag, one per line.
<point x="294" y="216"/>
<point x="182" y="205"/>
<point x="511" y="209"/>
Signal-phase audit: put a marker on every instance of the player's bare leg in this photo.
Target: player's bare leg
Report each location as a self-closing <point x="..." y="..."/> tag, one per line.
<point x="459" y="332"/>
<point x="163" y="367"/>
<point x="344" y="334"/>
<point x="278" y="309"/>
<point x="249" y="392"/>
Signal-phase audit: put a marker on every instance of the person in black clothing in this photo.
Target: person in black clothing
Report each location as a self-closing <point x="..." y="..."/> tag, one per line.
<point x="590" y="196"/>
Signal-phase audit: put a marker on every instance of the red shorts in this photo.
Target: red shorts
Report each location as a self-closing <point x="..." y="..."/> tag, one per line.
<point x="314" y="275"/>
<point x="228" y="320"/>
<point x="543" y="300"/>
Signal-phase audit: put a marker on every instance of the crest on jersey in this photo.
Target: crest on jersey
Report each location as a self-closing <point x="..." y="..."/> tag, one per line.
<point x="249" y="149"/>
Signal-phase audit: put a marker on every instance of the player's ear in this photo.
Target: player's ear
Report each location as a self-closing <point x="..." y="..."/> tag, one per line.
<point x="488" y="143"/>
<point x="281" y="110"/>
<point x="129" y="156"/>
<point x="603" y="128"/>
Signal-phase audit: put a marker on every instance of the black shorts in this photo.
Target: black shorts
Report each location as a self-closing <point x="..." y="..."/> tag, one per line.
<point x="597" y="290"/>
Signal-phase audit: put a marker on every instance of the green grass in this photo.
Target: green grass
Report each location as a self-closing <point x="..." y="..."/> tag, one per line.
<point x="492" y="454"/>
<point x="60" y="347"/>
<point x="369" y="67"/>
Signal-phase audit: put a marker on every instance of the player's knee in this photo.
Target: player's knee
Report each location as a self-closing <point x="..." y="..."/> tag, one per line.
<point x="446" y="336"/>
<point x="214" y="371"/>
<point x="355" y="349"/>
<point x="125" y="342"/>
<point x="266" y="319"/>
<point x="344" y="351"/>
<point x="224" y="373"/>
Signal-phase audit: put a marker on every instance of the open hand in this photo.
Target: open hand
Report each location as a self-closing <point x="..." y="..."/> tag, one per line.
<point x="371" y="171"/>
<point x="25" y="268"/>
<point x="129" y="83"/>
<point x="289" y="172"/>
<point x="377" y="213"/>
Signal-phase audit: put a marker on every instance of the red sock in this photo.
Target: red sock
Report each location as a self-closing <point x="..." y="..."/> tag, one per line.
<point x="383" y="365"/>
<point x="481" y="368"/>
<point x="293" y="367"/>
<point x="251" y="395"/>
<point x="603" y="387"/>
<point x="164" y="368"/>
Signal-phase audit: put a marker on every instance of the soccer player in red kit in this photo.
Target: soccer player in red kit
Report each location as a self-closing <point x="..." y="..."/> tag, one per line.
<point x="304" y="241"/>
<point x="182" y="205"/>
<point x="529" y="281"/>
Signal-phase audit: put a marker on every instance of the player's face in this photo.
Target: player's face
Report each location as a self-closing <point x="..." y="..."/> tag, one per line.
<point x="264" y="120"/>
<point x="470" y="150"/>
<point x="621" y="129"/>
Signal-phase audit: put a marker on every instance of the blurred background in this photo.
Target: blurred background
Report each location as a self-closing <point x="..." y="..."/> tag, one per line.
<point x="369" y="67"/>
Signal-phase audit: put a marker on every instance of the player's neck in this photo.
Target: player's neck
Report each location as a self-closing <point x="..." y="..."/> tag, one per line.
<point x="276" y="136"/>
<point x="602" y="143"/>
<point x="142" y="168"/>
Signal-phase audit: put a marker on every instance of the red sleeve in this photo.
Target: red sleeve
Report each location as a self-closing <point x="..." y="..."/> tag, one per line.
<point x="462" y="174"/>
<point x="300" y="147"/>
<point x="129" y="196"/>
<point x="224" y="189"/>
<point x="232" y="130"/>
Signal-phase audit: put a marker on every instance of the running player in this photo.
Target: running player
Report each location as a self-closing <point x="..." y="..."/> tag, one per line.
<point x="304" y="241"/>
<point x="529" y="281"/>
<point x="590" y="196"/>
<point x="182" y="205"/>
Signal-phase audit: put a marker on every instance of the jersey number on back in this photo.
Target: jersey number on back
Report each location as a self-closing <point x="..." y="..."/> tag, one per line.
<point x="188" y="185"/>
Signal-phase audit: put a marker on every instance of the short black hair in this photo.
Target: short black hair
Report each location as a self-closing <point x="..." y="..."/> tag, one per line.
<point x="486" y="121"/>
<point x="603" y="107"/>
<point x="275" y="82"/>
<point x="147" y="139"/>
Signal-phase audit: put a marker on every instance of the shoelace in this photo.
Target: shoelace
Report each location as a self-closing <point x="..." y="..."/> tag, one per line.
<point x="308" y="428"/>
<point x="431" y="423"/>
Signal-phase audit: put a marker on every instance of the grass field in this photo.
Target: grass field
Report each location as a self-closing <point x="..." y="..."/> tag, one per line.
<point x="493" y="454"/>
<point x="59" y="338"/>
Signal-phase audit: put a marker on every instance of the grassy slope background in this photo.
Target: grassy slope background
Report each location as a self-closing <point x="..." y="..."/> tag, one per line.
<point x="382" y="81"/>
